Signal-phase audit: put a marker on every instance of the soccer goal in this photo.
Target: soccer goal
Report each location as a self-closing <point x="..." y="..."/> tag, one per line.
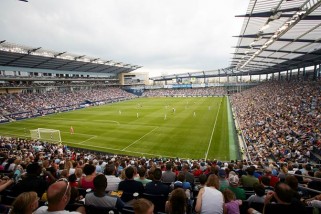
<point x="49" y="135"/>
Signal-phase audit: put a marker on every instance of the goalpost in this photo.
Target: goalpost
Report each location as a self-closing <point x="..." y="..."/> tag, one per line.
<point x="49" y="135"/>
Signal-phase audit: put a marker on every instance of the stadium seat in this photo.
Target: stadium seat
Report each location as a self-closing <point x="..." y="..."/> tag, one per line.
<point x="82" y="192"/>
<point x="127" y="210"/>
<point x="257" y="206"/>
<point x="7" y="200"/>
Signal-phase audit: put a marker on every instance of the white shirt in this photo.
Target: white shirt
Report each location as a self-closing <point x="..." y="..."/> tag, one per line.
<point x="212" y="201"/>
<point x="112" y="183"/>
<point x="44" y="210"/>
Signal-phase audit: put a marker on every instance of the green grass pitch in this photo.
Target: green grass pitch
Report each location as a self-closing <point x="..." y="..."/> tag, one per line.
<point x="199" y="128"/>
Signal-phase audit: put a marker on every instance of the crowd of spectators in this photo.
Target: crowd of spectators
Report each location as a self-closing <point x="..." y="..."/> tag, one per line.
<point x="280" y="119"/>
<point x="66" y="83"/>
<point x="209" y="91"/>
<point x="43" y="168"/>
<point x="24" y="105"/>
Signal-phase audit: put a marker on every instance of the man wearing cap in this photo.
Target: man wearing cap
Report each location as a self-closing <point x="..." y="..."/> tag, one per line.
<point x="234" y="183"/>
<point x="222" y="179"/>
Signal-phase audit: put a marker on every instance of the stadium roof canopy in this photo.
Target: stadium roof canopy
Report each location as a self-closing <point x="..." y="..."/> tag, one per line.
<point x="277" y="35"/>
<point x="18" y="56"/>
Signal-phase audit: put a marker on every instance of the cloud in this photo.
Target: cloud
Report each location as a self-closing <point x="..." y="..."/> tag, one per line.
<point x="168" y="35"/>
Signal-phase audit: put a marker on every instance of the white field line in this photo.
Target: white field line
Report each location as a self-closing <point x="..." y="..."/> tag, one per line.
<point x="100" y="147"/>
<point x="141" y="153"/>
<point x="99" y="121"/>
<point x="210" y="142"/>
<point x="86" y="140"/>
<point x="69" y="132"/>
<point x="139" y="138"/>
<point x="12" y="134"/>
<point x="81" y="134"/>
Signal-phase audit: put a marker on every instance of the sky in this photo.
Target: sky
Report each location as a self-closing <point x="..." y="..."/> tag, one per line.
<point x="163" y="36"/>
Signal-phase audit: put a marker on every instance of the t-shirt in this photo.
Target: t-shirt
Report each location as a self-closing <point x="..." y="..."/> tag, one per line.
<point x="44" y="210"/>
<point x="239" y="193"/>
<point x="105" y="201"/>
<point x="248" y="180"/>
<point x="232" y="207"/>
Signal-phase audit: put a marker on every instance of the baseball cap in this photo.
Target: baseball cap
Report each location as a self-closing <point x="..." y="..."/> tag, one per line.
<point x="233" y="180"/>
<point x="222" y="173"/>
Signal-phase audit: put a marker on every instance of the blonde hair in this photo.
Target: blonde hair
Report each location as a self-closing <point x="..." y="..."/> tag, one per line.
<point x="78" y="172"/>
<point x="22" y="203"/>
<point x="142" y="205"/>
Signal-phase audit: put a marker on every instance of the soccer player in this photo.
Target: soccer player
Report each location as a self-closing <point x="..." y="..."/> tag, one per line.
<point x="137" y="115"/>
<point x="194" y="114"/>
<point x="165" y="117"/>
<point x="71" y="130"/>
<point x="119" y="112"/>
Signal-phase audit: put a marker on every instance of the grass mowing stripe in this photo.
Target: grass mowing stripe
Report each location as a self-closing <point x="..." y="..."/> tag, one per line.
<point x="231" y="132"/>
<point x="210" y="142"/>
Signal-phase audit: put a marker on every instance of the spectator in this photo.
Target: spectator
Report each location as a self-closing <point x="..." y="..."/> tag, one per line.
<point x="234" y="183"/>
<point x="181" y="182"/>
<point x="58" y="197"/>
<point x="156" y="187"/>
<point x="112" y="180"/>
<point x="5" y="183"/>
<point x="314" y="201"/>
<point x="282" y="196"/>
<point x="129" y="186"/>
<point x="231" y="206"/>
<point x="31" y="182"/>
<point x="188" y="176"/>
<point x="177" y="202"/>
<point x="249" y="179"/>
<point x="315" y="184"/>
<point x="26" y="202"/>
<point x="202" y="179"/>
<point x="168" y="176"/>
<point x="142" y="176"/>
<point x="222" y="179"/>
<point x="87" y="182"/>
<point x="273" y="179"/>
<point x="209" y="199"/>
<point x="143" y="206"/>
<point x="259" y="194"/>
<point x="99" y="198"/>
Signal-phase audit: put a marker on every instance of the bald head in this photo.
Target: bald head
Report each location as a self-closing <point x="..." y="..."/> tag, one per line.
<point x="57" y="191"/>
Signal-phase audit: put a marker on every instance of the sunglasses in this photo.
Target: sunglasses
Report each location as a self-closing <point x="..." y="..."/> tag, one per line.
<point x="65" y="180"/>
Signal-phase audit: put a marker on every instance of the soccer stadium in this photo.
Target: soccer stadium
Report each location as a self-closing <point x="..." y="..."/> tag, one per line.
<point x="103" y="120"/>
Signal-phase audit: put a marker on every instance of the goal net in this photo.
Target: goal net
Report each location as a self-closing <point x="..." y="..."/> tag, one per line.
<point x="49" y="135"/>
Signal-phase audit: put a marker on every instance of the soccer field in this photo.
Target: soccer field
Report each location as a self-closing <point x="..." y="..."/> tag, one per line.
<point x="189" y="127"/>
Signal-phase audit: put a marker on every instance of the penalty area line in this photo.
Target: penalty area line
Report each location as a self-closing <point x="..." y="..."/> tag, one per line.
<point x="86" y="140"/>
<point x="140" y="138"/>
<point x="80" y="134"/>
